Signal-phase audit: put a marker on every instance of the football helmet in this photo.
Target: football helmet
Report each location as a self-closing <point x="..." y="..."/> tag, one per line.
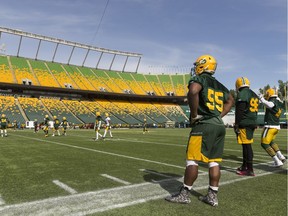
<point x="205" y="63"/>
<point x="270" y="93"/>
<point x="242" y="82"/>
<point x="106" y="114"/>
<point x="46" y="116"/>
<point x="3" y="115"/>
<point x="64" y="118"/>
<point x="98" y="114"/>
<point x="54" y="117"/>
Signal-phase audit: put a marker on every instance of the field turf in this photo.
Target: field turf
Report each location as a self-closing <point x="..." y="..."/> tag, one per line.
<point x="129" y="175"/>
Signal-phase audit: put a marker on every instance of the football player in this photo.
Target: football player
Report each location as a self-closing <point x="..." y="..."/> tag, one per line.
<point x="145" y="126"/>
<point x="97" y="125"/>
<point x="4" y="125"/>
<point x="64" y="124"/>
<point x="46" y="125"/>
<point x="107" y="126"/>
<point x="56" y="126"/>
<point x="209" y="101"/>
<point x="35" y="126"/>
<point x="246" y="106"/>
<point x="272" y="126"/>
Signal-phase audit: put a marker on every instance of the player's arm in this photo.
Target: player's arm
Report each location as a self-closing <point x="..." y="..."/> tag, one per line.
<point x="227" y="105"/>
<point x="193" y="98"/>
<point x="268" y="104"/>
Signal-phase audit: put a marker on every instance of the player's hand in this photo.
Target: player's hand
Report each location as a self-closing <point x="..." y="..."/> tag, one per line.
<point x="196" y="119"/>
<point x="236" y="129"/>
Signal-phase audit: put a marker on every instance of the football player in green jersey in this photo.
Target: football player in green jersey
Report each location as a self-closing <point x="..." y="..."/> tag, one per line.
<point x="64" y="124"/>
<point x="56" y="126"/>
<point x="4" y="125"/>
<point x="209" y="101"/>
<point x="246" y="106"/>
<point x="97" y="125"/>
<point x="272" y="126"/>
<point x="46" y="125"/>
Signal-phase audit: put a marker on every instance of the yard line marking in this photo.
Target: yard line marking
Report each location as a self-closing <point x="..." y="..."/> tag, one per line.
<point x="116" y="179"/>
<point x="103" y="152"/>
<point x="2" y="202"/>
<point x="155" y="173"/>
<point x="263" y="153"/>
<point x="113" y="198"/>
<point x="65" y="187"/>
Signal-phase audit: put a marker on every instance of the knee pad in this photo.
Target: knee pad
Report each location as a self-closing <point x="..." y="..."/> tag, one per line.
<point x="213" y="164"/>
<point x="191" y="163"/>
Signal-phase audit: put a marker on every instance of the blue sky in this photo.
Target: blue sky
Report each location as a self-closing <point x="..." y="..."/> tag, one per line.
<point x="247" y="37"/>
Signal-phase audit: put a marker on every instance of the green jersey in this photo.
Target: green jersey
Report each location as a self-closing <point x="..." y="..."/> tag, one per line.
<point x="4" y="122"/>
<point x="249" y="102"/>
<point x="212" y="97"/>
<point x="56" y="123"/>
<point x="272" y="115"/>
<point x="46" y="121"/>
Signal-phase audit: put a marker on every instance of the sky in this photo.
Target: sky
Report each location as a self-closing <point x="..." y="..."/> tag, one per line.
<point x="247" y="37"/>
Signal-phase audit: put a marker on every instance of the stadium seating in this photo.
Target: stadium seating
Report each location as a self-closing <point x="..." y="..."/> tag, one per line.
<point x="33" y="108"/>
<point x="10" y="109"/>
<point x="6" y="74"/>
<point x="57" y="108"/>
<point x="22" y="71"/>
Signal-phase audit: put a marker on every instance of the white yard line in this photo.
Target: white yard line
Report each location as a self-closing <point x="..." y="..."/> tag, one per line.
<point x="104" y="200"/>
<point x="65" y="187"/>
<point x="2" y="202"/>
<point x="103" y="152"/>
<point x="116" y="179"/>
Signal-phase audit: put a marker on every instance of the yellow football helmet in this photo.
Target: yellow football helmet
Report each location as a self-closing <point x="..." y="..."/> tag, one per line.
<point x="242" y="82"/>
<point x="64" y="118"/>
<point x="205" y="63"/>
<point x="54" y="117"/>
<point x="106" y="114"/>
<point x="46" y="116"/>
<point x="270" y="93"/>
<point x="3" y="115"/>
<point x="98" y="114"/>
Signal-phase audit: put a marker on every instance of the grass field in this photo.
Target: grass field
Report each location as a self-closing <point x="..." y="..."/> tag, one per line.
<point x="129" y="175"/>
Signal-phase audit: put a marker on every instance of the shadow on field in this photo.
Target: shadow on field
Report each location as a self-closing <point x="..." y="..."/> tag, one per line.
<point x="168" y="181"/>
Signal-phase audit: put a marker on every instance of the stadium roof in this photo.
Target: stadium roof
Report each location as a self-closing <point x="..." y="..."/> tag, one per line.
<point x="72" y="44"/>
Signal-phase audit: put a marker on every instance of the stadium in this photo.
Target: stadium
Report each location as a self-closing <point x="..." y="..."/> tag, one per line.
<point x="129" y="174"/>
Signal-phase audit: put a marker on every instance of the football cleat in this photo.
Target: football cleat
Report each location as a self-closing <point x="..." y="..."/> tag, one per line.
<point x="245" y="172"/>
<point x="210" y="198"/>
<point x="282" y="159"/>
<point x="181" y="197"/>
<point x="277" y="164"/>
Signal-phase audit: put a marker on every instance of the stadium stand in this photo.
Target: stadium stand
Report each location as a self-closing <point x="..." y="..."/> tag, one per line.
<point x="6" y="74"/>
<point x="43" y="74"/>
<point x="155" y="84"/>
<point x="22" y="71"/>
<point x="57" y="108"/>
<point x="10" y="108"/>
<point x="33" y="108"/>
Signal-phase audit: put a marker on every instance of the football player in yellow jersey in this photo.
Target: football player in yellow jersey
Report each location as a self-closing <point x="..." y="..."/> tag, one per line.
<point x="4" y="125"/>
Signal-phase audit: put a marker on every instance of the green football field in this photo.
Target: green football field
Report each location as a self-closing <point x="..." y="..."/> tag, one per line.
<point x="130" y="174"/>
